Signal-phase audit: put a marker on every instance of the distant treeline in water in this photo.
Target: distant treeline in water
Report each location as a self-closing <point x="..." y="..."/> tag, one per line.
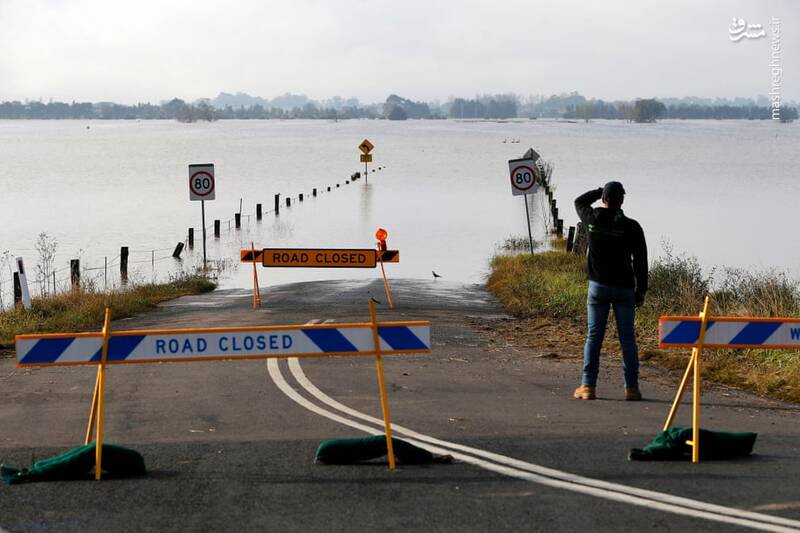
<point x="483" y="107"/>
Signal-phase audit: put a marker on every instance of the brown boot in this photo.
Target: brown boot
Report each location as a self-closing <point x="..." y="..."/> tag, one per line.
<point x="632" y="394"/>
<point x="584" y="392"/>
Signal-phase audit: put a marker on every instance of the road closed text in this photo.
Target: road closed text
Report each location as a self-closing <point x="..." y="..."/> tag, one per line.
<point x="324" y="258"/>
<point x="223" y="344"/>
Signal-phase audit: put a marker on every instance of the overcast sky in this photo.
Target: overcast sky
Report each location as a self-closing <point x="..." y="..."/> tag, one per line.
<point x="151" y="50"/>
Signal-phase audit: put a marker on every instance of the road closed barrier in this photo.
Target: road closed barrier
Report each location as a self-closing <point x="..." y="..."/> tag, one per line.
<point x="109" y="347"/>
<point x="323" y="258"/>
<point x="704" y="332"/>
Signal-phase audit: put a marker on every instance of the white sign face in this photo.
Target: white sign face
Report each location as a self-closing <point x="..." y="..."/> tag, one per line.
<point x="201" y="182"/>
<point x="523" y="176"/>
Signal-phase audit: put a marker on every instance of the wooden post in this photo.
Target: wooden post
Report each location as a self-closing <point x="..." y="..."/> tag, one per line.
<point x="329" y="189"/>
<point x="177" y="252"/>
<point x="300" y="197"/>
<point x="314" y="192"/>
<point x="555" y="214"/>
<point x="337" y="185"/>
<point x="288" y="202"/>
<point x="346" y="182"/>
<point x="75" y="273"/>
<point x="238" y="220"/>
<point x="17" y="290"/>
<point x="560" y="227"/>
<point x="258" y="211"/>
<point x="570" y="238"/>
<point x="387" y="422"/>
<point x="216" y="229"/>
<point x="123" y="264"/>
<point x="277" y="203"/>
<point x="190" y="241"/>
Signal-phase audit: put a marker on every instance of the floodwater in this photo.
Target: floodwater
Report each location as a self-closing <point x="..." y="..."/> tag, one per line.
<point x="724" y="191"/>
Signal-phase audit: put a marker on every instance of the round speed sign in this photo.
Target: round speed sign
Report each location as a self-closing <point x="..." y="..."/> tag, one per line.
<point x="201" y="183"/>
<point x="522" y="178"/>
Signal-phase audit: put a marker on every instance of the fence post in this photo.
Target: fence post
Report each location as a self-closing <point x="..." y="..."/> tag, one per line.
<point x="288" y="202"/>
<point x="329" y="189"/>
<point x="560" y="227"/>
<point x="314" y="192"/>
<point x="216" y="229"/>
<point x="75" y="273"/>
<point x="570" y="238"/>
<point x="301" y="197"/>
<point x="191" y="238"/>
<point x="277" y="203"/>
<point x="123" y="264"/>
<point x="238" y="218"/>
<point x="17" y="290"/>
<point x="177" y="252"/>
<point x="258" y="211"/>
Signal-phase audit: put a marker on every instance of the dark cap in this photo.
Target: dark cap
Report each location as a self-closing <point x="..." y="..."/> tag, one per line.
<point x="613" y="191"/>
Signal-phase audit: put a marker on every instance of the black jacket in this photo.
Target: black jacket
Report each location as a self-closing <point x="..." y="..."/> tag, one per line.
<point x="617" y="249"/>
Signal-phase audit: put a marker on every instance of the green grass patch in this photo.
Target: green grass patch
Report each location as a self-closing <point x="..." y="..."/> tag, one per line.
<point x="553" y="285"/>
<point x="84" y="310"/>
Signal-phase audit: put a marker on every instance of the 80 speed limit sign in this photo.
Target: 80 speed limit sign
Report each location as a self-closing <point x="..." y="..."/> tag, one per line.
<point x="523" y="176"/>
<point x="201" y="182"/>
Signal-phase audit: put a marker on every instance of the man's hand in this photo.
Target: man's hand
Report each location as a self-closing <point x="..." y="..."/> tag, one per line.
<point x="639" y="299"/>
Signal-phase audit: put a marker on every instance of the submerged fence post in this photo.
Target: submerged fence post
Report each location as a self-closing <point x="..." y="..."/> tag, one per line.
<point x="560" y="227"/>
<point x="314" y="192"/>
<point x="238" y="219"/>
<point x="277" y="203"/>
<point x="301" y="197"/>
<point x="258" y="211"/>
<point x="123" y="264"/>
<point x="288" y="202"/>
<point x="191" y="238"/>
<point x="177" y="252"/>
<point x="216" y="229"/>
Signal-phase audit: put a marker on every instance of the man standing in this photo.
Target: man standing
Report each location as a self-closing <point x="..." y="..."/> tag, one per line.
<point x="617" y="271"/>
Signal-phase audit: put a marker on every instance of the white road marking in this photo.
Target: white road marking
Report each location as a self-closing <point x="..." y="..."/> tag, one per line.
<point x="528" y="471"/>
<point x="329" y="321"/>
<point x="313" y="321"/>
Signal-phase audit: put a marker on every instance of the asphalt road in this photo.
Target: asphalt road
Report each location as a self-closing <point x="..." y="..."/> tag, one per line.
<point x="230" y="450"/>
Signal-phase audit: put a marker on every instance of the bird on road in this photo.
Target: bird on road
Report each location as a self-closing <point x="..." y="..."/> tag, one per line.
<point x="435" y="275"/>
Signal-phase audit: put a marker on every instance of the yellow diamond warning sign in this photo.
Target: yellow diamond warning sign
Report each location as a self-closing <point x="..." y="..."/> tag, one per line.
<point x="366" y="146"/>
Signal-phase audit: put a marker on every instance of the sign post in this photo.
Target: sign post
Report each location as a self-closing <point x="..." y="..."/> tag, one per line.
<point x="202" y="188"/>
<point x="366" y="158"/>
<point x="523" y="182"/>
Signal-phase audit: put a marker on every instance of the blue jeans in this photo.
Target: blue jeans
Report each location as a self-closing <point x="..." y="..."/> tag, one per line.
<point x="598" y="302"/>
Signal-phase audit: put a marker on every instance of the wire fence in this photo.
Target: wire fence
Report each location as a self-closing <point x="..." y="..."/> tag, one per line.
<point x="47" y="281"/>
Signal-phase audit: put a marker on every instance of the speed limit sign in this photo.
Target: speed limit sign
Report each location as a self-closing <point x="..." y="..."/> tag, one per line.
<point x="523" y="176"/>
<point x="201" y="182"/>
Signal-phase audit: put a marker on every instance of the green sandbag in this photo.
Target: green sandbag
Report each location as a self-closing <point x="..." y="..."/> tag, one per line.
<point x="78" y="463"/>
<point x="355" y="450"/>
<point x="670" y="445"/>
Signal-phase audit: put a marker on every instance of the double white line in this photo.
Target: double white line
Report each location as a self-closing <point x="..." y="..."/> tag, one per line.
<point x="509" y="466"/>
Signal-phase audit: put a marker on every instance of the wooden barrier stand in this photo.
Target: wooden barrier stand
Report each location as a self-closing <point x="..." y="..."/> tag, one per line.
<point x="371" y="338"/>
<point x="701" y="332"/>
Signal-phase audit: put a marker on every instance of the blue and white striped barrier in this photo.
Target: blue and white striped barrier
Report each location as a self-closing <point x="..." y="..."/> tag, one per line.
<point x="730" y="332"/>
<point x="223" y="343"/>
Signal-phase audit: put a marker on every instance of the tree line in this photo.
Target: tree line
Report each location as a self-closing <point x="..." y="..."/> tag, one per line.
<point x="491" y="107"/>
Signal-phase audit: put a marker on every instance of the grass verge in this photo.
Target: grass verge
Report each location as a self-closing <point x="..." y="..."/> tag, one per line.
<point x="552" y="286"/>
<point x="84" y="310"/>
